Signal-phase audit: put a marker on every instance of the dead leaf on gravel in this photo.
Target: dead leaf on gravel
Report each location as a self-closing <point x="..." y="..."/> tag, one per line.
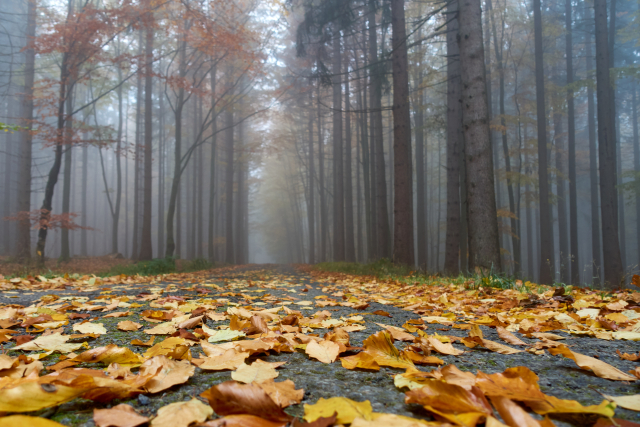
<point x="182" y="414"/>
<point x="242" y="421"/>
<point x="29" y="394"/>
<point x="162" y="329"/>
<point x="626" y="402"/>
<point x="284" y="393"/>
<point x="166" y="373"/>
<point x="258" y="371"/>
<point x="142" y="343"/>
<point x="26" y="421"/>
<point x="128" y="325"/>
<point x="548" y="336"/>
<point x="362" y="360"/>
<point x="508" y="337"/>
<point x="53" y="342"/>
<point x="600" y="368"/>
<point x="122" y="415"/>
<point x="380" y="346"/>
<point x="346" y="410"/>
<point x="230" y="359"/>
<point x="386" y="420"/>
<point x="627" y="356"/>
<point x="90" y="328"/>
<point x="397" y="333"/>
<point x="512" y="414"/>
<point x="442" y="348"/>
<point x="324" y="351"/>
<point x="232" y="398"/>
<point x="118" y="314"/>
<point x="108" y="355"/>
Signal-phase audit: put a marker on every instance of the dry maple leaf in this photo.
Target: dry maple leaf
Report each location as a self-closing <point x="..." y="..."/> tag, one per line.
<point x="362" y="360"/>
<point x="165" y="373"/>
<point x="182" y="414"/>
<point x="243" y="421"/>
<point x="258" y="371"/>
<point x="232" y="398"/>
<point x="128" y="325"/>
<point x="30" y="394"/>
<point x="283" y="393"/>
<point x="512" y="414"/>
<point x="90" y="328"/>
<point x="122" y="415"/>
<point x="380" y="346"/>
<point x="27" y="421"/>
<point x="346" y="410"/>
<point x="325" y="351"/>
<point x="627" y="356"/>
<point x="53" y="342"/>
<point x="108" y="355"/>
<point x="600" y="368"/>
<point x="508" y="337"/>
<point x="230" y="359"/>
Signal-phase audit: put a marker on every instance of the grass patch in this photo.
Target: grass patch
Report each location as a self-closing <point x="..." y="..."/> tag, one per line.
<point x="382" y="269"/>
<point x="159" y="266"/>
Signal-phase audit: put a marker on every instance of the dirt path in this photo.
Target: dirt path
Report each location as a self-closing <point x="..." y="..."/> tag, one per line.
<point x="249" y="286"/>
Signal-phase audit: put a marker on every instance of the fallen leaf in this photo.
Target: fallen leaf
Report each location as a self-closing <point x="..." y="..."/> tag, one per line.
<point x="165" y="373"/>
<point x="626" y="402"/>
<point x="242" y="421"/>
<point x="346" y="410"/>
<point x="90" y="328"/>
<point x="627" y="356"/>
<point x="508" y="337"/>
<point x="512" y="414"/>
<point x="161" y="329"/>
<point x="380" y="346"/>
<point x="324" y="351"/>
<point x="443" y="348"/>
<point x="548" y="336"/>
<point x="108" y="355"/>
<point x="128" y="325"/>
<point x="600" y="368"/>
<point x="182" y="414"/>
<point x="53" y="342"/>
<point x="362" y="360"/>
<point x="142" y="343"/>
<point x="230" y="359"/>
<point x="29" y="394"/>
<point x="232" y="398"/>
<point x="258" y="371"/>
<point x="225" y="335"/>
<point x="26" y="421"/>
<point x="284" y="393"/>
<point x="122" y="415"/>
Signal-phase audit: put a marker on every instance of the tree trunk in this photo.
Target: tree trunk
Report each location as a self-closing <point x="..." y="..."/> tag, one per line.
<point x="571" y="123"/>
<point x="212" y="176"/>
<point x="403" y="251"/>
<point x="23" y="237"/>
<point x="546" y="253"/>
<point x="377" y="69"/>
<point x="607" y="153"/>
<point x="136" y="232"/>
<point x="596" y="250"/>
<point x="349" y="238"/>
<point x="311" y="218"/>
<point x="454" y="142"/>
<point x="561" y="189"/>
<point x="482" y="214"/>
<point x="636" y="161"/>
<point x="162" y="168"/>
<point x="240" y="184"/>
<point x="338" y="169"/>
<point x="65" y="253"/>
<point x="146" y="248"/>
<point x="323" y="208"/>
<point x="230" y="259"/>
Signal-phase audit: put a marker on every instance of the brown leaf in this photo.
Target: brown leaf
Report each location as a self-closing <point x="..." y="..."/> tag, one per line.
<point x="382" y="313"/>
<point x="600" y="368"/>
<point x="21" y="339"/>
<point x="231" y="359"/>
<point x="232" y="398"/>
<point x="507" y="336"/>
<point x="627" y="356"/>
<point x="166" y="373"/>
<point x="182" y="414"/>
<point x="191" y="323"/>
<point x="142" y="343"/>
<point x="108" y="355"/>
<point x="362" y="360"/>
<point x="512" y="414"/>
<point x="128" y="325"/>
<point x="258" y="371"/>
<point x="325" y="351"/>
<point x="122" y="415"/>
<point x="284" y="393"/>
<point x="258" y="326"/>
<point x="242" y="421"/>
<point x="380" y="346"/>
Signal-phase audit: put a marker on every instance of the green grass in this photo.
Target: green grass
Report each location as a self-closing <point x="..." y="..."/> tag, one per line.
<point x="384" y="269"/>
<point x="159" y="266"/>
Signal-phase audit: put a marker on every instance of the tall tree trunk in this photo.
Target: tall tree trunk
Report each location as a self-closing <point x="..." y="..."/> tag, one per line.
<point x="546" y="252"/>
<point x="636" y="161"/>
<point x="173" y="243"/>
<point x="230" y="259"/>
<point x="136" y="234"/>
<point x="561" y="188"/>
<point x="85" y="212"/>
<point x="607" y="153"/>
<point x="239" y="217"/>
<point x="383" y="245"/>
<point x="65" y="253"/>
<point x="338" y="166"/>
<point x="454" y="142"/>
<point x="200" y="191"/>
<point x="403" y="250"/>
<point x="212" y="176"/>
<point x="483" y="223"/>
<point x="118" y="154"/>
<point x="571" y="124"/>
<point x="146" y="248"/>
<point x="23" y="237"/>
<point x="366" y="159"/>
<point x="323" y="206"/>
<point x="311" y="218"/>
<point x="162" y="168"/>
<point x="349" y="238"/>
<point x="596" y="250"/>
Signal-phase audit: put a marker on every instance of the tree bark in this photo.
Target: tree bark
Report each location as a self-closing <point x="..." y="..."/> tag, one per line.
<point x="571" y="124"/>
<point x="230" y="258"/>
<point x="212" y="176"/>
<point x="136" y="234"/>
<point x="377" y="69"/>
<point x="321" y="189"/>
<point x="607" y="154"/>
<point x="146" y="248"/>
<point x="482" y="213"/>
<point x="596" y="249"/>
<point x="311" y="214"/>
<point x="546" y="253"/>
<point x="338" y="166"/>
<point x="65" y="254"/>
<point x="349" y="237"/>
<point x="454" y="142"/>
<point x="403" y="251"/>
<point x="636" y="160"/>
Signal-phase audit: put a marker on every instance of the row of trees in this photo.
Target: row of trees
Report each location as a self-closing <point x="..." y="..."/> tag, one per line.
<point x="144" y="106"/>
<point x="504" y="164"/>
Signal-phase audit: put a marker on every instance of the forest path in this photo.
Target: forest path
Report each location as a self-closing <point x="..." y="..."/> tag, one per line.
<point x="267" y="286"/>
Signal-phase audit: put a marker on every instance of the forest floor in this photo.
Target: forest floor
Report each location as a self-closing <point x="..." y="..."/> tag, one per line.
<point x="461" y="353"/>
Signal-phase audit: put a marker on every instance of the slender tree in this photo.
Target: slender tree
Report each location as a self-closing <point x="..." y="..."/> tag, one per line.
<point x="571" y="125"/>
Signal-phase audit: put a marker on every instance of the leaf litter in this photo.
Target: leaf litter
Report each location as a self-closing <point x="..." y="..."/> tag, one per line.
<point x="250" y="323"/>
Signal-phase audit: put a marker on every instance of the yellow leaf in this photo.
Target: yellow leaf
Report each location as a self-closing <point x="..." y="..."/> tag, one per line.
<point x="626" y="402"/>
<point x="90" y="328"/>
<point x="347" y="410"/>
<point x="600" y="368"/>
<point x="380" y="346"/>
<point x="230" y="359"/>
<point x="225" y="335"/>
<point x="26" y="421"/>
<point x="53" y="342"/>
<point x="108" y="355"/>
<point x="325" y="351"/>
<point x="166" y="328"/>
<point x="258" y="371"/>
<point x="284" y="393"/>
<point x="166" y="373"/>
<point x="128" y="325"/>
<point x="182" y="414"/>
<point x="122" y="415"/>
<point x="28" y="394"/>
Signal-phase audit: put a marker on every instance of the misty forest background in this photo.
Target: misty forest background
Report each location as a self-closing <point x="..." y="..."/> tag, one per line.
<point x="304" y="131"/>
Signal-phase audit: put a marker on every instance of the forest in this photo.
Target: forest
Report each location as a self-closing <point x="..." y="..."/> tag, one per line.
<point x="448" y="136"/>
